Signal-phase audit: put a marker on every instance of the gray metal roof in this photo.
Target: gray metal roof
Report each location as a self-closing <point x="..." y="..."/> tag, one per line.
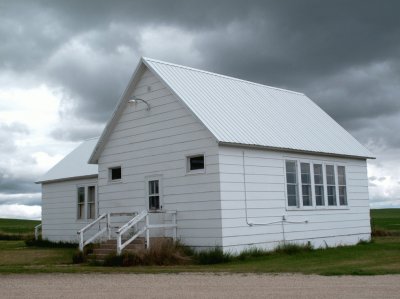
<point x="246" y="113"/>
<point x="74" y="165"/>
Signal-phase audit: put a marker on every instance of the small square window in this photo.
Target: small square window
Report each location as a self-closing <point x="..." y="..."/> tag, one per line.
<point x="195" y="163"/>
<point x="115" y="173"/>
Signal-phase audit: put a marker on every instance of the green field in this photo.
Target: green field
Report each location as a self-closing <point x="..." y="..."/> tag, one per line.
<point x="386" y="219"/>
<point x="17" y="226"/>
<point x="382" y="256"/>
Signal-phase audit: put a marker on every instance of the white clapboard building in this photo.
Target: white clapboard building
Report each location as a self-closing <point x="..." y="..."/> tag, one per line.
<point x="214" y="161"/>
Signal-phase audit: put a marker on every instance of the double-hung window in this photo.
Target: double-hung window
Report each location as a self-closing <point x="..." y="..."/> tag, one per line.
<point x="331" y="185"/>
<point x="291" y="184"/>
<point x="342" y="185"/>
<point x="91" y="202"/>
<point x="306" y="184"/>
<point x="319" y="185"/>
<point x="154" y="195"/>
<point x="315" y="185"/>
<point x="86" y="202"/>
<point x="81" y="203"/>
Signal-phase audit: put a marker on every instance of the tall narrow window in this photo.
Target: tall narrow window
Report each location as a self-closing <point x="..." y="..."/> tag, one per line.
<point x="291" y="183"/>
<point x="331" y="185"/>
<point x="306" y="184"/>
<point x="342" y="185"/>
<point x="154" y="195"/>
<point x="91" y="202"/>
<point x="319" y="185"/>
<point x="81" y="203"/>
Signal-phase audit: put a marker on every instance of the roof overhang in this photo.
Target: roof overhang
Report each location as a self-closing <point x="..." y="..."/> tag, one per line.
<point x="291" y="150"/>
<point x="68" y="179"/>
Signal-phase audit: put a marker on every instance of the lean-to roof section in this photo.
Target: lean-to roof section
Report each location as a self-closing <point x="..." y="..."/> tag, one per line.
<point x="74" y="165"/>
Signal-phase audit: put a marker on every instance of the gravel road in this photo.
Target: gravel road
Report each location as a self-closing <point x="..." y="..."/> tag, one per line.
<point x="197" y="286"/>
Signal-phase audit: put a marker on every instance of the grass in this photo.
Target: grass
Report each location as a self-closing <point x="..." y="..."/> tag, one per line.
<point x="382" y="256"/>
<point x="17" y="229"/>
<point x="386" y="220"/>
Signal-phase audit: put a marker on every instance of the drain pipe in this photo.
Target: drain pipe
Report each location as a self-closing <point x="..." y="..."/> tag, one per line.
<point x="245" y="192"/>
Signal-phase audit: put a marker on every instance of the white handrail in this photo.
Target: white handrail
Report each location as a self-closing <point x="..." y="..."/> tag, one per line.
<point x="126" y="227"/>
<point x="37" y="231"/>
<point x="82" y="243"/>
<point x="146" y="229"/>
<point x="132" y="222"/>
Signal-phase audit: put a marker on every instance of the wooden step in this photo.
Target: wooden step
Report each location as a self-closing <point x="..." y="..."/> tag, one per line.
<point x="110" y="247"/>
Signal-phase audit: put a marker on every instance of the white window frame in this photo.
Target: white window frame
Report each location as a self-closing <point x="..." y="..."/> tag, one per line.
<point x="85" y="202"/>
<point x="160" y="191"/>
<point x="196" y="171"/>
<point x="300" y="205"/>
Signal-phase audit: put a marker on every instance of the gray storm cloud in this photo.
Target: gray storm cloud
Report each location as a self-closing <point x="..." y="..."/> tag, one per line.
<point x="343" y="54"/>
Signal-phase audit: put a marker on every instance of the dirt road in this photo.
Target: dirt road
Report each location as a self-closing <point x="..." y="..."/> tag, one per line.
<point x="197" y="286"/>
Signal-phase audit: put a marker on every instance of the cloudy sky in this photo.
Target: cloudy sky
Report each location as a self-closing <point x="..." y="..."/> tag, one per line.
<point x="64" y="65"/>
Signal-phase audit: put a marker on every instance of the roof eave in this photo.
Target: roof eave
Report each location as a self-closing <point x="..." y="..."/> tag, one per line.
<point x="256" y="146"/>
<point x="88" y="176"/>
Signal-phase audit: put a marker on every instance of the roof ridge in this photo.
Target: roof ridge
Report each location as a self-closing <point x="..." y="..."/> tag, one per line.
<point x="219" y="75"/>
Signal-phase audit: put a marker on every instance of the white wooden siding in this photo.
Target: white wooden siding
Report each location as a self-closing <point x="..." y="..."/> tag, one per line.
<point x="156" y="142"/>
<point x="59" y="210"/>
<point x="266" y="202"/>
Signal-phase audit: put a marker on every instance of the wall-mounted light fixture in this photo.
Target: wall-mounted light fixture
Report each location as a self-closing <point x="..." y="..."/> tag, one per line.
<point x="134" y="100"/>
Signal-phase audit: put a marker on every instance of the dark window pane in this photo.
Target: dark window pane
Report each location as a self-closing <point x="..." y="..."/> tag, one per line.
<point x="305" y="179"/>
<point x="81" y="194"/>
<point x="292" y="190"/>
<point x="318" y="180"/>
<point x="341" y="175"/>
<point x="153" y="187"/>
<point x="292" y="200"/>
<point x="80" y="211"/>
<point x="306" y="190"/>
<point x="291" y="178"/>
<point x="154" y="202"/>
<point x="290" y="166"/>
<point x="319" y="195"/>
<point x="306" y="200"/>
<point x="330" y="175"/>
<point x="318" y="169"/>
<point x="116" y="173"/>
<point x="196" y="162"/>
<point x="342" y="195"/>
<point x="331" y="196"/>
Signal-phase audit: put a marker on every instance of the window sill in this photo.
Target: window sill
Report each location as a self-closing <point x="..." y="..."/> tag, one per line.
<point x="324" y="208"/>
<point x="115" y="181"/>
<point x="199" y="171"/>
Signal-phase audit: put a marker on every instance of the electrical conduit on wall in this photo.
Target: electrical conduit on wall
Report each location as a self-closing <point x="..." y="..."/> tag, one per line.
<point x="250" y="223"/>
